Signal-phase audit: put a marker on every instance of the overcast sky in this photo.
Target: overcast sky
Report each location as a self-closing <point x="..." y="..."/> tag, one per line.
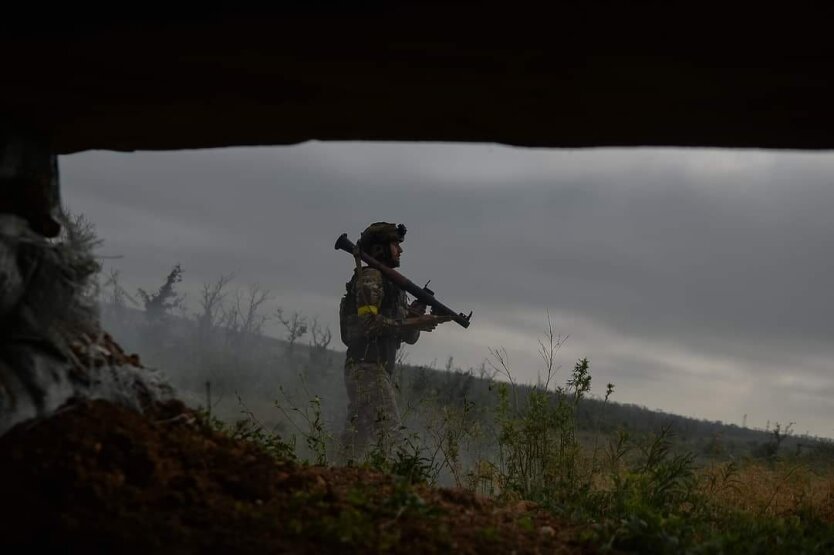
<point x="699" y="282"/>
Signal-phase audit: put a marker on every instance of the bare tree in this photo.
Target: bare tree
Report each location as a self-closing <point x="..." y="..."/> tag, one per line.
<point x="296" y="326"/>
<point x="229" y="321"/>
<point x="212" y="296"/>
<point x="244" y="320"/>
<point x="113" y="296"/>
<point x="778" y="436"/>
<point x="117" y="296"/>
<point x="320" y="340"/>
<point x="252" y="321"/>
<point x="321" y="337"/>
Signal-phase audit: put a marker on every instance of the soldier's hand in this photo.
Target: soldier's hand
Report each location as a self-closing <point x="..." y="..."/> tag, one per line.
<point x="426" y="322"/>
<point x="417" y="308"/>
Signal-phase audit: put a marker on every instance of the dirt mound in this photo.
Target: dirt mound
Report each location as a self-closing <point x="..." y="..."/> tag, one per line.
<point x="99" y="476"/>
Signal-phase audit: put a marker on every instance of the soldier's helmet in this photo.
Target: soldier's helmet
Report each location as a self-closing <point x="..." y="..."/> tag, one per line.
<point x="376" y="238"/>
<point x="381" y="233"/>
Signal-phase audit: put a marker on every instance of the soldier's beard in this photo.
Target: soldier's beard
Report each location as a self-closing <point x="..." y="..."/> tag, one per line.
<point x="385" y="257"/>
<point x="390" y="262"/>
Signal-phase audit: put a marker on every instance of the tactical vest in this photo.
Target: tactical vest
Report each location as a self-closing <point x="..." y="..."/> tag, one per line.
<point x="381" y="349"/>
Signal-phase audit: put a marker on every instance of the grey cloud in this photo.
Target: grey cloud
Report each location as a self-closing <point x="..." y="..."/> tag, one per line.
<point x="724" y="253"/>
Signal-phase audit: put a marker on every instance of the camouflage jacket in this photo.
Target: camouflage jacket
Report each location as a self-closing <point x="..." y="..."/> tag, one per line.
<point x="370" y="316"/>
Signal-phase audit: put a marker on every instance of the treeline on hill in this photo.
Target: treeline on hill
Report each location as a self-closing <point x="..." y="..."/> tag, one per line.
<point x="219" y="358"/>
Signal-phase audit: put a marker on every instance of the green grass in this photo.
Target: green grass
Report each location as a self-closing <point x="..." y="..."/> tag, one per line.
<point x="632" y="493"/>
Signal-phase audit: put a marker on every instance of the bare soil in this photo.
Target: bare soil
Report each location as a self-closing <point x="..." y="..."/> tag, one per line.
<point x="100" y="477"/>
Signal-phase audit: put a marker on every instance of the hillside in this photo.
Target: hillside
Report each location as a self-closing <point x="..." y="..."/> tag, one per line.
<point x="100" y="477"/>
<point x="527" y="470"/>
<point x="269" y="379"/>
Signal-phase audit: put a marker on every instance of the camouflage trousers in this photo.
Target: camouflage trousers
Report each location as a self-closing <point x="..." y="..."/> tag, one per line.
<point x="372" y="416"/>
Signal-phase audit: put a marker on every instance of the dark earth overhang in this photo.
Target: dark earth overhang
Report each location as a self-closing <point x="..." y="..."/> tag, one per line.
<point x="575" y="74"/>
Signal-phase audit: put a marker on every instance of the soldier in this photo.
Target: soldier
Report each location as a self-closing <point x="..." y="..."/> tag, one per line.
<point x="374" y="321"/>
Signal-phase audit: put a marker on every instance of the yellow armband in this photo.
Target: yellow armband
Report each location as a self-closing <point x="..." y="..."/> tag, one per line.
<point x="368" y="309"/>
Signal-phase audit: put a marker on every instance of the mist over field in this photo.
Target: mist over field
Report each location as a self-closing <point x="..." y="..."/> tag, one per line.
<point x="697" y="281"/>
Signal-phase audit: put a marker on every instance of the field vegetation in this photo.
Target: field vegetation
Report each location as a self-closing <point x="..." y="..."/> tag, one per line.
<point x="632" y="479"/>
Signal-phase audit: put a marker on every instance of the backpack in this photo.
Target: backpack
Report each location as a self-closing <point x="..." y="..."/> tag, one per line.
<point x="348" y="319"/>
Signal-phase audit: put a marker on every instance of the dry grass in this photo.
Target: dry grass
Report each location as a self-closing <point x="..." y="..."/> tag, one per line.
<point x="782" y="489"/>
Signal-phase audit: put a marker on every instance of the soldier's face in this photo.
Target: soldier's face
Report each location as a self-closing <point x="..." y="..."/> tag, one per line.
<point x="396" y="251"/>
